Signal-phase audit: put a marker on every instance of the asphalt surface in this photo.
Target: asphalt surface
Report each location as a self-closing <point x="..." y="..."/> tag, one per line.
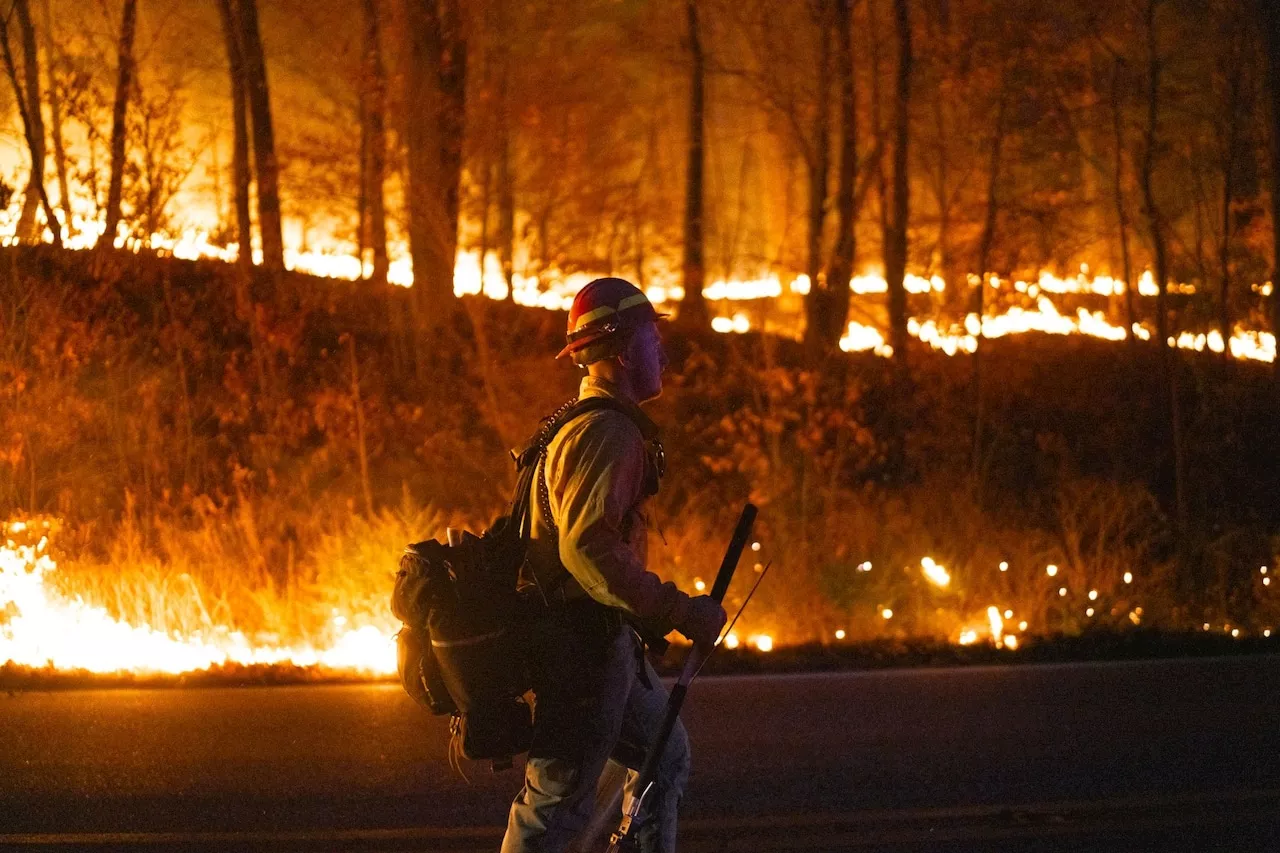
<point x="1169" y="755"/>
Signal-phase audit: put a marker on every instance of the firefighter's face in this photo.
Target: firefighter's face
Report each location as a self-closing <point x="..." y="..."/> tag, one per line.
<point x="644" y="362"/>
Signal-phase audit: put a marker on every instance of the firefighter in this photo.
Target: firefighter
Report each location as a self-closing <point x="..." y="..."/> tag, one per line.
<point x="597" y="695"/>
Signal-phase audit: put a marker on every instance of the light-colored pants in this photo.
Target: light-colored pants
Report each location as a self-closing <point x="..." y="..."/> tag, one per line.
<point x="558" y="795"/>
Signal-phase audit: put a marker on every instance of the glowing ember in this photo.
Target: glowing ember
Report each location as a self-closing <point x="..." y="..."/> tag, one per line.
<point x="996" y="623"/>
<point x="937" y="575"/>
<point x="42" y="628"/>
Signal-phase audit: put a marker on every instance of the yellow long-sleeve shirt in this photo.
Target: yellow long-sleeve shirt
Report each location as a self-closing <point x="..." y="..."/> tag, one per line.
<point x="595" y="475"/>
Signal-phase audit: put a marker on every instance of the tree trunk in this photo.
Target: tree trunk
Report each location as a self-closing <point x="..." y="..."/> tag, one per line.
<point x="28" y="227"/>
<point x="1148" y="168"/>
<point x="264" y="144"/>
<point x="693" y="308"/>
<point x="375" y="77"/>
<point x="895" y="250"/>
<point x="32" y="124"/>
<point x="835" y="293"/>
<point x="1168" y="359"/>
<point x="506" y="195"/>
<point x="362" y="175"/>
<point x="1228" y="193"/>
<point x="486" y="204"/>
<point x="819" y="164"/>
<point x="882" y="183"/>
<point x="506" y="169"/>
<point x="1122" y="215"/>
<point x="53" y="59"/>
<point x="240" y="173"/>
<point x="435" y="84"/>
<point x="941" y="156"/>
<point x="124" y="86"/>
<point x="984" y="262"/>
<point x="1271" y="37"/>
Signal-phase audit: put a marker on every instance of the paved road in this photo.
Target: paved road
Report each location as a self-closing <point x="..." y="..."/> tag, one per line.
<point x="1168" y="755"/>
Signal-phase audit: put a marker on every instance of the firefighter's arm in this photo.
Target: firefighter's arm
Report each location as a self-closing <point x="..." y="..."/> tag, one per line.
<point x="605" y="478"/>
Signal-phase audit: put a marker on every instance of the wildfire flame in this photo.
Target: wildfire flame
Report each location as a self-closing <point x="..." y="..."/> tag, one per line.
<point x="555" y="289"/>
<point x="40" y="628"/>
<point x="1245" y="344"/>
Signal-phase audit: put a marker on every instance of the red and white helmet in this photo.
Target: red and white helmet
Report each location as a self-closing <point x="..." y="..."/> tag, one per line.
<point x="602" y="309"/>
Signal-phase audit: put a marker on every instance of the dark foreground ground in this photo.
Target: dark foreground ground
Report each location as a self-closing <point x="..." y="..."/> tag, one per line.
<point x="1163" y="755"/>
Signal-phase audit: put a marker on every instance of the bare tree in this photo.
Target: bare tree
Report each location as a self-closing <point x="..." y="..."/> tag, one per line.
<point x="1122" y="210"/>
<point x="895" y="249"/>
<point x="984" y="254"/>
<point x="28" y="228"/>
<point x="264" y="146"/>
<point x="436" y="89"/>
<point x="240" y="170"/>
<point x="1232" y="62"/>
<point x="124" y="87"/>
<point x="28" y="100"/>
<point x="693" y="307"/>
<point x="1156" y="226"/>
<point x="1271" y="37"/>
<point x="53" y="63"/>
<point x="161" y="161"/>
<point x="800" y="96"/>
<point x="818" y="161"/>
<point x="506" y="182"/>
<point x="942" y="157"/>
<point x="829" y="312"/>
<point x="374" y="98"/>
<point x="877" y="122"/>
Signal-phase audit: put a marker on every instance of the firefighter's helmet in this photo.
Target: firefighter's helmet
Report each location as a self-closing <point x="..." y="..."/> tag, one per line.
<point x="603" y="314"/>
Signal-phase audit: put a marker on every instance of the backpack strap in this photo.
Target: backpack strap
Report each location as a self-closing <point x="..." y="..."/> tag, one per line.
<point x="529" y="458"/>
<point x="526" y="454"/>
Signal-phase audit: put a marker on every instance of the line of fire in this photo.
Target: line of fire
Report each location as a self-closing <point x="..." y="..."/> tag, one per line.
<point x="974" y="299"/>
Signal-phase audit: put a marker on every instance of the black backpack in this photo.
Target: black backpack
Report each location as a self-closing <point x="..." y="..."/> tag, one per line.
<point x="461" y="650"/>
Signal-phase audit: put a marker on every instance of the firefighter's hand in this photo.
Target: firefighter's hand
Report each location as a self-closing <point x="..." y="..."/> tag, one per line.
<point x="703" y="621"/>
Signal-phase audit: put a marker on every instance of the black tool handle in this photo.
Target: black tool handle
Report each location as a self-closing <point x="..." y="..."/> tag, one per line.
<point x="741" y="533"/>
<point x="737" y="545"/>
